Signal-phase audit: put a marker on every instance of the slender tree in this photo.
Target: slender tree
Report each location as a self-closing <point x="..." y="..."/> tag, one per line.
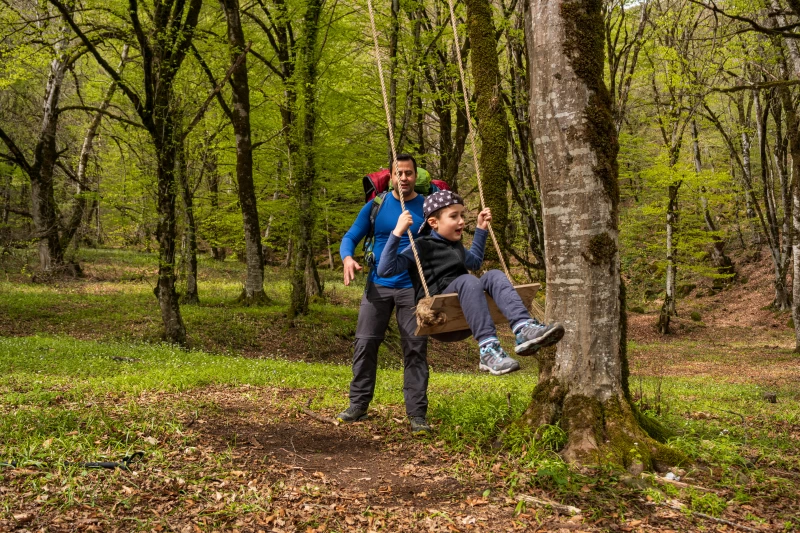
<point x="239" y="114"/>
<point x="163" y="47"/>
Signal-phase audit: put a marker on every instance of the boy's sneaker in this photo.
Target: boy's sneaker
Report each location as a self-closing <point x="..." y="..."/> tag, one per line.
<point x="494" y="359"/>
<point x="419" y="425"/>
<point x="534" y="335"/>
<point x="352" y="414"/>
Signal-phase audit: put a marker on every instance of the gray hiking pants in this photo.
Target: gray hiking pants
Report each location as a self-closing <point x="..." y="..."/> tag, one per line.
<point x="476" y="310"/>
<point x="373" y="319"/>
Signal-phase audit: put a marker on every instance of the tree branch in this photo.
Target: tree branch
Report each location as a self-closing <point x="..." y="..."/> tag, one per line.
<point x="92" y="109"/>
<point x="16" y="154"/>
<point x="132" y="96"/>
<point x="755" y="26"/>
<point x="756" y="86"/>
<point x="215" y="92"/>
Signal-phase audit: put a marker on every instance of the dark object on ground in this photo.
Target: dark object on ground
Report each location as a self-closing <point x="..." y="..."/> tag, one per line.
<point x="771" y="397"/>
<point x="124" y="464"/>
<point x="696" y="316"/>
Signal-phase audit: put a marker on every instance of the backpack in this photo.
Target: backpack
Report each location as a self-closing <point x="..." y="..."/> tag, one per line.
<point x="376" y="187"/>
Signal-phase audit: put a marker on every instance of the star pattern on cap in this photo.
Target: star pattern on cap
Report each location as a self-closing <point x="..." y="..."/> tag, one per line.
<point x="436" y="201"/>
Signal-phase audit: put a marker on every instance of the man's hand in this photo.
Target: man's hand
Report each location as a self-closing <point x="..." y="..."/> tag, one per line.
<point x="484" y="217"/>
<point x="404" y="222"/>
<point x="350" y="267"/>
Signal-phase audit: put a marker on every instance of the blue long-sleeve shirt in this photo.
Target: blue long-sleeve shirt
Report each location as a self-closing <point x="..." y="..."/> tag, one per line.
<point x="392" y="262"/>
<point x="385" y="222"/>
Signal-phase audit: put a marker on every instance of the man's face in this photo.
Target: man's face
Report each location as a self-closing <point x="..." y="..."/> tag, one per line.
<point x="405" y="177"/>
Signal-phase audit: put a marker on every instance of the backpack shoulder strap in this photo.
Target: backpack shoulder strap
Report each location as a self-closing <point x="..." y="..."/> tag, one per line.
<point x="377" y="203"/>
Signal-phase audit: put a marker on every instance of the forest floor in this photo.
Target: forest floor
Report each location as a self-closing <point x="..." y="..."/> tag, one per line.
<point x="235" y="436"/>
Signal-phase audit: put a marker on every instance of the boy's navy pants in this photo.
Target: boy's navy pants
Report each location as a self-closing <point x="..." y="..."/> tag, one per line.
<point x="376" y="309"/>
<point x="471" y="296"/>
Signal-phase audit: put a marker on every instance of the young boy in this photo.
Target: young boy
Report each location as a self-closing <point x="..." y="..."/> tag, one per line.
<point x="445" y="263"/>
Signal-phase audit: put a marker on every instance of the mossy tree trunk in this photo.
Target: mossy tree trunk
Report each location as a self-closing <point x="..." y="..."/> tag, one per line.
<point x="491" y="113"/>
<point x="163" y="44"/>
<point x="305" y="279"/>
<point x="583" y="383"/>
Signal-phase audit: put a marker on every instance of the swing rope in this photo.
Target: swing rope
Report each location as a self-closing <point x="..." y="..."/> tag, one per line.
<point x="423" y="311"/>
<point x="536" y="309"/>
<point x="471" y="131"/>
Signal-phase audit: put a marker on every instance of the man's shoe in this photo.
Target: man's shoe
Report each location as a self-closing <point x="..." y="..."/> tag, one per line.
<point x="494" y="359"/>
<point x="534" y="335"/>
<point x="419" y="425"/>
<point x="352" y="414"/>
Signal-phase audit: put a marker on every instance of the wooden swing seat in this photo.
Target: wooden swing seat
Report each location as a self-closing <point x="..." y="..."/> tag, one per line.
<point x="449" y="305"/>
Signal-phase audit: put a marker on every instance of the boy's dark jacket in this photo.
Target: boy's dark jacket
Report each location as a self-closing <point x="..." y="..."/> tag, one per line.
<point x="442" y="262"/>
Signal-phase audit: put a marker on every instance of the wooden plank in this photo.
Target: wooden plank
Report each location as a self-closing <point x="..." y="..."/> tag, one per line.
<point x="449" y="305"/>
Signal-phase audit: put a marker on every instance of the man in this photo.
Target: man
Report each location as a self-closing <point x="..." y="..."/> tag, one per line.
<point x="381" y="297"/>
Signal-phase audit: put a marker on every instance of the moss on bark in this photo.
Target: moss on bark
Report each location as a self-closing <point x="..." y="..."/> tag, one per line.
<point x="491" y="115"/>
<point x="583" y="45"/>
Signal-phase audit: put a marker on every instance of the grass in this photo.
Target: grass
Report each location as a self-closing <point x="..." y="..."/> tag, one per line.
<point x="83" y="378"/>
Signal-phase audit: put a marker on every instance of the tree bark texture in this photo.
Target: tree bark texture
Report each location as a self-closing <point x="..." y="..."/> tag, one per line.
<point x="240" y="119"/>
<point x="192" y="295"/>
<point x="305" y="271"/>
<point x="491" y="114"/>
<point x="583" y="385"/>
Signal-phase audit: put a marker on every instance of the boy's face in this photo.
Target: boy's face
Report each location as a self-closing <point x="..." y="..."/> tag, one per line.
<point x="450" y="223"/>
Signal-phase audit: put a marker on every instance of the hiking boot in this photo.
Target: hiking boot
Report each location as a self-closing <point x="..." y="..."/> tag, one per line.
<point x="352" y="414"/>
<point x="419" y="426"/>
<point x="494" y="359"/>
<point x="534" y="335"/>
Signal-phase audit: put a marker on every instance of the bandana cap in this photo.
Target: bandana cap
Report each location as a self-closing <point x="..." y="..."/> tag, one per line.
<point x="435" y="202"/>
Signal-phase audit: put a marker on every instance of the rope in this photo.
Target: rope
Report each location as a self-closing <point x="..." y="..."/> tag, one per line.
<point x="391" y="141"/>
<point x="472" y="136"/>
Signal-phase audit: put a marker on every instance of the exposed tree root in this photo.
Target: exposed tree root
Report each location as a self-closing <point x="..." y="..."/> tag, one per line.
<point x="256" y="299"/>
<point x="599" y="432"/>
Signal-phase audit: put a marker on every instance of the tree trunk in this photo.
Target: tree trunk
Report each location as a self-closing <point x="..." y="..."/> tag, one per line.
<point x="191" y="296"/>
<point x="174" y="329"/>
<point x="79" y="207"/>
<point x="584" y="384"/>
<point x="722" y="262"/>
<point x="240" y="119"/>
<point x="305" y="270"/>
<point x="45" y="218"/>
<point x="668" y="307"/>
<point x="491" y="114"/>
<point x="217" y="252"/>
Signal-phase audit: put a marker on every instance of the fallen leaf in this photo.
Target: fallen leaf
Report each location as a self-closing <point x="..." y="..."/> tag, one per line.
<point x="23" y="518"/>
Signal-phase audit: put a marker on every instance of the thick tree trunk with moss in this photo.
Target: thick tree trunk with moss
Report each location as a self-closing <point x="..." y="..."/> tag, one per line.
<point x="305" y="279"/>
<point x="491" y="114"/>
<point x="583" y="383"/>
